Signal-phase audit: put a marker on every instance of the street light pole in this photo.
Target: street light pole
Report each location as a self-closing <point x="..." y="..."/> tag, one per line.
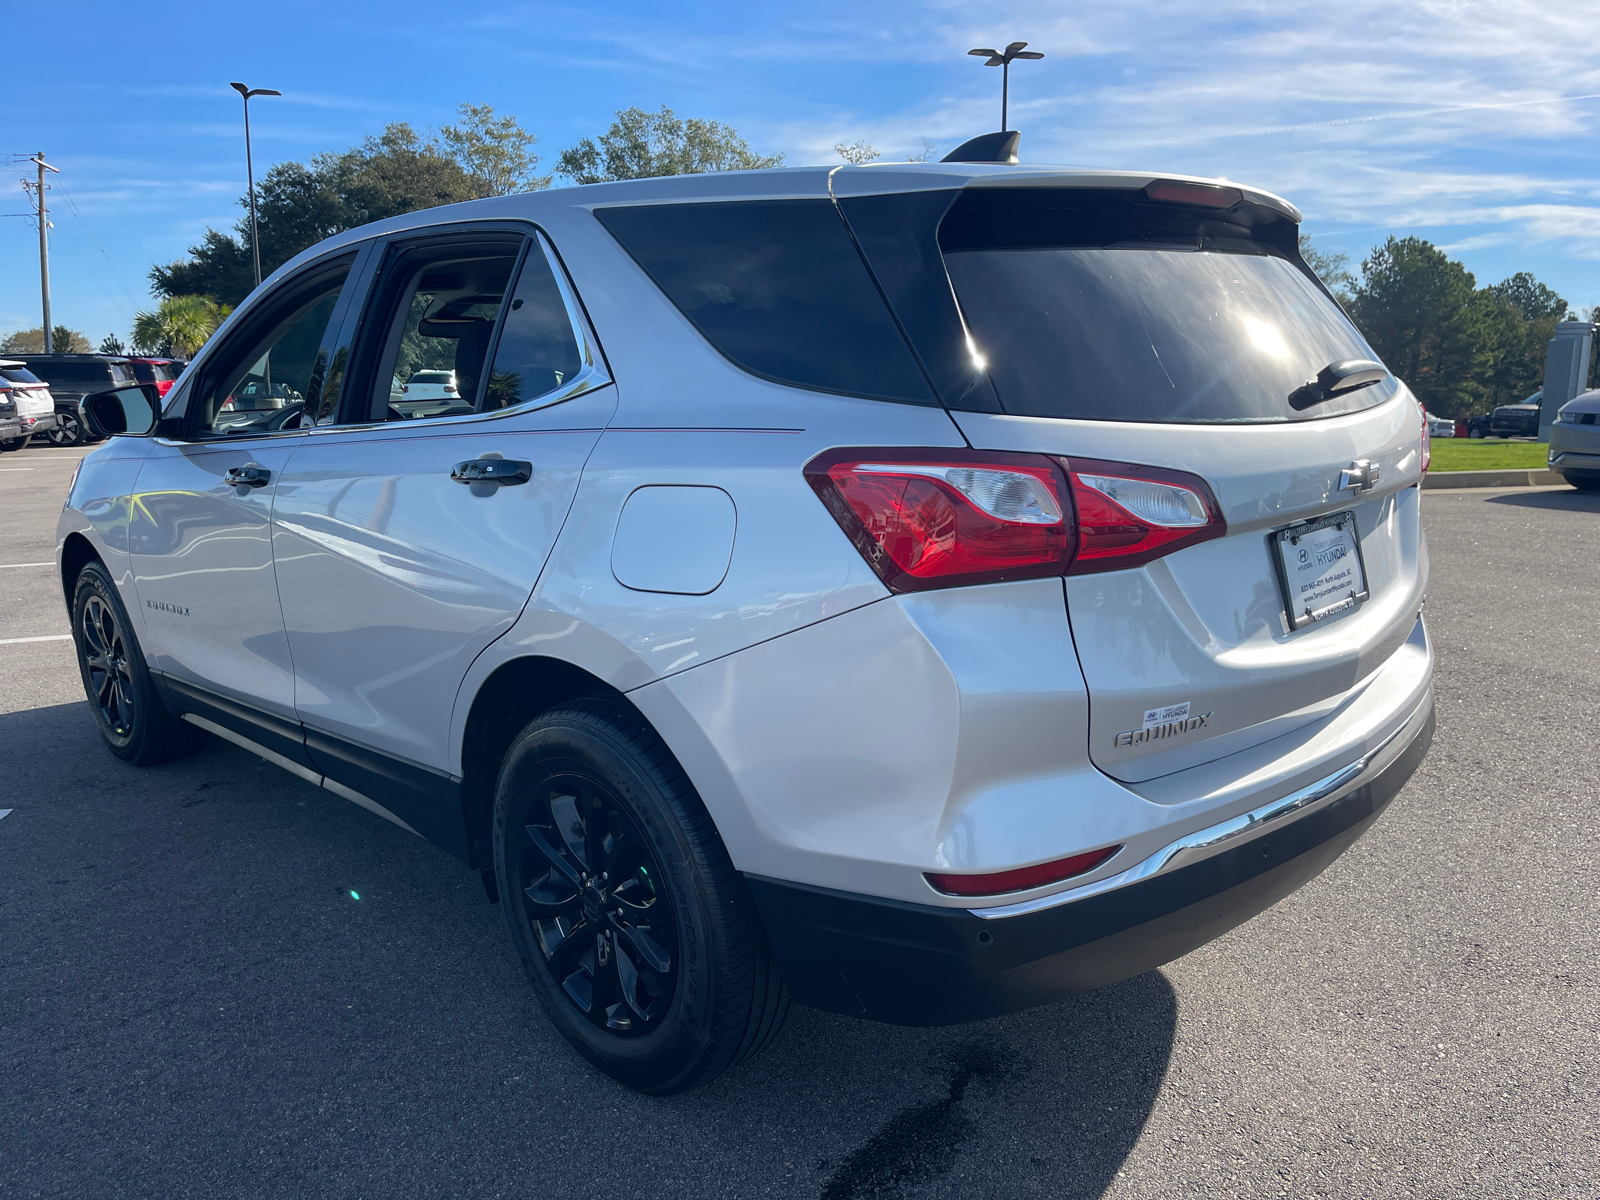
<point x="1002" y="59"/>
<point x="44" y="247"/>
<point x="250" y="171"/>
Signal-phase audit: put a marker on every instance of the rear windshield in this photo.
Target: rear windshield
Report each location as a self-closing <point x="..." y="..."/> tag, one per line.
<point x="1164" y="327"/>
<point x="19" y="375"/>
<point x="778" y="287"/>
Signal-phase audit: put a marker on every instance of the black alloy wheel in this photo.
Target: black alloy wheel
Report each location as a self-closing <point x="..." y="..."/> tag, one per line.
<point x="638" y="935"/>
<point x="128" y="710"/>
<point x="69" y="430"/>
<point x="589" y="888"/>
<point x="107" y="672"/>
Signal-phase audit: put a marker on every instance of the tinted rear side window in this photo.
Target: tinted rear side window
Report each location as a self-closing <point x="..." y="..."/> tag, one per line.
<point x="19" y="375"/>
<point x="778" y="287"/>
<point x="1119" y="313"/>
<point x="74" y="372"/>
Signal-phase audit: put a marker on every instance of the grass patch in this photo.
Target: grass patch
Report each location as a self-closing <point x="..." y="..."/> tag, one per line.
<point x="1488" y="454"/>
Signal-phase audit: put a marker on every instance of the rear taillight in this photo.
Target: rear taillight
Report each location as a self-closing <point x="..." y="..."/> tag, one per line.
<point x="1129" y="515"/>
<point x="996" y="883"/>
<point x="1427" y="442"/>
<point x="937" y="518"/>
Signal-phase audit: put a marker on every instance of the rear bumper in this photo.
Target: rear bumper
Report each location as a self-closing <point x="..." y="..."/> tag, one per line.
<point x="912" y="964"/>
<point x="40" y="424"/>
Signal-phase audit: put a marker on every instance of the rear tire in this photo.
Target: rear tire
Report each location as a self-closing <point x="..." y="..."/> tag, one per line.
<point x="637" y="933"/>
<point x="128" y="710"/>
<point x="10" y="444"/>
<point x="1585" y="483"/>
<point x="69" y="431"/>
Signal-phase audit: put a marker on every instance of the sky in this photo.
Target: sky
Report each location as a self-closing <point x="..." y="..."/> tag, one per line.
<point x="1468" y="123"/>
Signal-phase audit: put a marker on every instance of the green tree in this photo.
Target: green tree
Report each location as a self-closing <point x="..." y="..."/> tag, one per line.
<point x="31" y="341"/>
<point x="642" y="145"/>
<point x="178" y="327"/>
<point x="494" y="149"/>
<point x="112" y="344"/>
<point x="856" y="152"/>
<point x="1425" y="317"/>
<point x="398" y="171"/>
<point x="1534" y="299"/>
<point x="1332" y="268"/>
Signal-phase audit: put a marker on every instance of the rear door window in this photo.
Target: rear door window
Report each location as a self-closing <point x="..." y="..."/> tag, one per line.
<point x="778" y="287"/>
<point x="1090" y="314"/>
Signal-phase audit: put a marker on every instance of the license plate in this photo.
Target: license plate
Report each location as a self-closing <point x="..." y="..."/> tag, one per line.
<point x="1319" y="565"/>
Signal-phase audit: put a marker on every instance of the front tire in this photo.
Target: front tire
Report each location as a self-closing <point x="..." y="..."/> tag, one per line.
<point x="128" y="710"/>
<point x="636" y="931"/>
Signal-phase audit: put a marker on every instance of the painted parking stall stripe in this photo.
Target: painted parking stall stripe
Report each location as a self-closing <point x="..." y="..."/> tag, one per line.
<point x="18" y="566"/>
<point x="50" y="637"/>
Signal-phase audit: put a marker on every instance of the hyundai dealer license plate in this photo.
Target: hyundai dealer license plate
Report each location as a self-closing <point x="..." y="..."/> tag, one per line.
<point x="1319" y="565"/>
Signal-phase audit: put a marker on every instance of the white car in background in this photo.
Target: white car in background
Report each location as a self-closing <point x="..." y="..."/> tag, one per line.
<point x="1439" y="427"/>
<point x="36" y="407"/>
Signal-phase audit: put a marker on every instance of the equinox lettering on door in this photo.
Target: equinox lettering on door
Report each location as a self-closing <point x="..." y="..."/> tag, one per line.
<point x="1134" y="737"/>
<point x="177" y="610"/>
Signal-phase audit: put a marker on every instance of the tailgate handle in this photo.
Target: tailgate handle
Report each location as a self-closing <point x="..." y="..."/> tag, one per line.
<point x="504" y="471"/>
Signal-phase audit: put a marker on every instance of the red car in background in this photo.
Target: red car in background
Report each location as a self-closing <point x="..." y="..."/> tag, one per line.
<point x="163" y="372"/>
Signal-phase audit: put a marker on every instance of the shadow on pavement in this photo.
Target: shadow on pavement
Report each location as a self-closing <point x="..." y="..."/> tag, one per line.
<point x="220" y="980"/>
<point x="1570" y="499"/>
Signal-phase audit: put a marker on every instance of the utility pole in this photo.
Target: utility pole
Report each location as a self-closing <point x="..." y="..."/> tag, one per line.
<point x="44" y="246"/>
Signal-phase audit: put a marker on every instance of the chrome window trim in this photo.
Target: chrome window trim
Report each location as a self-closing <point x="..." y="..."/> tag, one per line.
<point x="1236" y="831"/>
<point x="591" y="376"/>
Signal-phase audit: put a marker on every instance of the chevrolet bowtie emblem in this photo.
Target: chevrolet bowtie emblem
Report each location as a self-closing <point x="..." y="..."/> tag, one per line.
<point x="1359" y="476"/>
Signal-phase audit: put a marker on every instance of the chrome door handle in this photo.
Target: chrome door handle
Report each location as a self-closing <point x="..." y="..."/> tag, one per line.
<point x="249" y="477"/>
<point x="492" y="470"/>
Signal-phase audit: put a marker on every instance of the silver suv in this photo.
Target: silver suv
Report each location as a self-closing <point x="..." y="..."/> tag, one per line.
<point x="922" y="591"/>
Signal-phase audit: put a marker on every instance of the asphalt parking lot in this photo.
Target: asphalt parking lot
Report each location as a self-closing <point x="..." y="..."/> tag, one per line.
<point x="193" y="1002"/>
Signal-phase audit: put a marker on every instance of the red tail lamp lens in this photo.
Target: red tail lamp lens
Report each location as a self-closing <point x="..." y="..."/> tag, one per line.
<point x="1129" y="515"/>
<point x="935" y="518"/>
<point x="999" y="882"/>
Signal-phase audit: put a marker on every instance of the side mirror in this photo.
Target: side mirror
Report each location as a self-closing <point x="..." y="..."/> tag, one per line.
<point x="123" y="412"/>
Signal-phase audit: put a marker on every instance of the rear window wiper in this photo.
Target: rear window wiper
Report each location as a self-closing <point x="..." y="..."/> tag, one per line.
<point x="1338" y="379"/>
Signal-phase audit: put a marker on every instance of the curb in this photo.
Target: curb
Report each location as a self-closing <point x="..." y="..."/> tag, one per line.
<point x="1472" y="479"/>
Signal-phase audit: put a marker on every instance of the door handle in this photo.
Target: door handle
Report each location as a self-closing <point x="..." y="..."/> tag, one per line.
<point x="492" y="470"/>
<point x="248" y="477"/>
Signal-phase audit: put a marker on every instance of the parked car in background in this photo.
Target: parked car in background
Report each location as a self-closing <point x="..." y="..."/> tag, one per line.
<point x="1473" y="427"/>
<point x="920" y="610"/>
<point x="71" y="377"/>
<point x="1439" y="427"/>
<point x="10" y="424"/>
<point x="1516" y="420"/>
<point x="163" y="372"/>
<point x="36" y="408"/>
<point x="1575" y="442"/>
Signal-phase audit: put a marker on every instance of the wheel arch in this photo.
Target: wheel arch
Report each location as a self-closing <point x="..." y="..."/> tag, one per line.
<point x="77" y="552"/>
<point x="516" y="692"/>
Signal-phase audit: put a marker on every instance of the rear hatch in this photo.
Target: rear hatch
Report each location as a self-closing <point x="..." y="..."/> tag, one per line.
<point x="1182" y="335"/>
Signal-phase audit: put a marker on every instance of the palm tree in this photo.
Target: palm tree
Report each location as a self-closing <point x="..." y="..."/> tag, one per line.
<point x="179" y="326"/>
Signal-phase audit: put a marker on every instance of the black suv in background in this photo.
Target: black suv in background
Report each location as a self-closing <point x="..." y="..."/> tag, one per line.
<point x="72" y="377"/>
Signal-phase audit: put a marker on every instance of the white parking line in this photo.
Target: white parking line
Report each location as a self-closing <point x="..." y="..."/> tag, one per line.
<point x="13" y="469"/>
<point x="14" y="566"/>
<point x="50" y="637"/>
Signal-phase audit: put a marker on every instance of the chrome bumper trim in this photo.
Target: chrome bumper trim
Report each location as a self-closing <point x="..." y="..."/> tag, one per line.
<point x="1225" y="835"/>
